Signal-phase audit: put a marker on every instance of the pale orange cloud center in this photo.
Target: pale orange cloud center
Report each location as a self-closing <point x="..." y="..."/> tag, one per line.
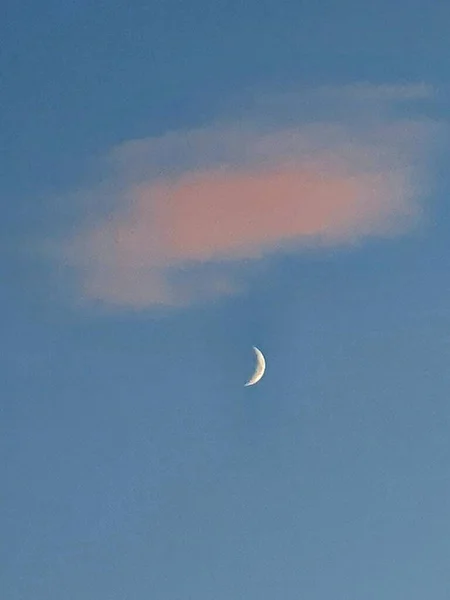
<point x="228" y="214"/>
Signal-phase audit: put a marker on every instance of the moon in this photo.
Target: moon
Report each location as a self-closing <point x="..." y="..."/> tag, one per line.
<point x="260" y="367"/>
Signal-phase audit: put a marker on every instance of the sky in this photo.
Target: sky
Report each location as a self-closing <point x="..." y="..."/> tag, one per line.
<point x="178" y="183"/>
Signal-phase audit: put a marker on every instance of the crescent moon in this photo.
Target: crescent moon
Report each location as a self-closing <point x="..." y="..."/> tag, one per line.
<point x="260" y="367"/>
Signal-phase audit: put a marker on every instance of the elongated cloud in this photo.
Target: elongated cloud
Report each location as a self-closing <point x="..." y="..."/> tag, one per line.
<point x="192" y="207"/>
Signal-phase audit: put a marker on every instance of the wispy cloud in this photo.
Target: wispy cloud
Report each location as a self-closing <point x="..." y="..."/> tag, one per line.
<point x="190" y="202"/>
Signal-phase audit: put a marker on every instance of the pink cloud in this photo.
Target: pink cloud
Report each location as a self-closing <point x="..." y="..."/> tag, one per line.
<point x="220" y="215"/>
<point x="192" y="202"/>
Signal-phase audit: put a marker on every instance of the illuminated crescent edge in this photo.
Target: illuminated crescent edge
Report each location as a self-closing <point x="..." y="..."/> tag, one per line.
<point x="260" y="367"/>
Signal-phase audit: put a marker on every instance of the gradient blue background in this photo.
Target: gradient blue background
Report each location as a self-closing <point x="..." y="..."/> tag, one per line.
<point x="134" y="463"/>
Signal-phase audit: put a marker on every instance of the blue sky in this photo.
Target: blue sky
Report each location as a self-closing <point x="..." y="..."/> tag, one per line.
<point x="136" y="465"/>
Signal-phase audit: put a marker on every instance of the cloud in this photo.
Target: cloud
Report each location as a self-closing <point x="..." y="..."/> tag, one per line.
<point x="189" y="209"/>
